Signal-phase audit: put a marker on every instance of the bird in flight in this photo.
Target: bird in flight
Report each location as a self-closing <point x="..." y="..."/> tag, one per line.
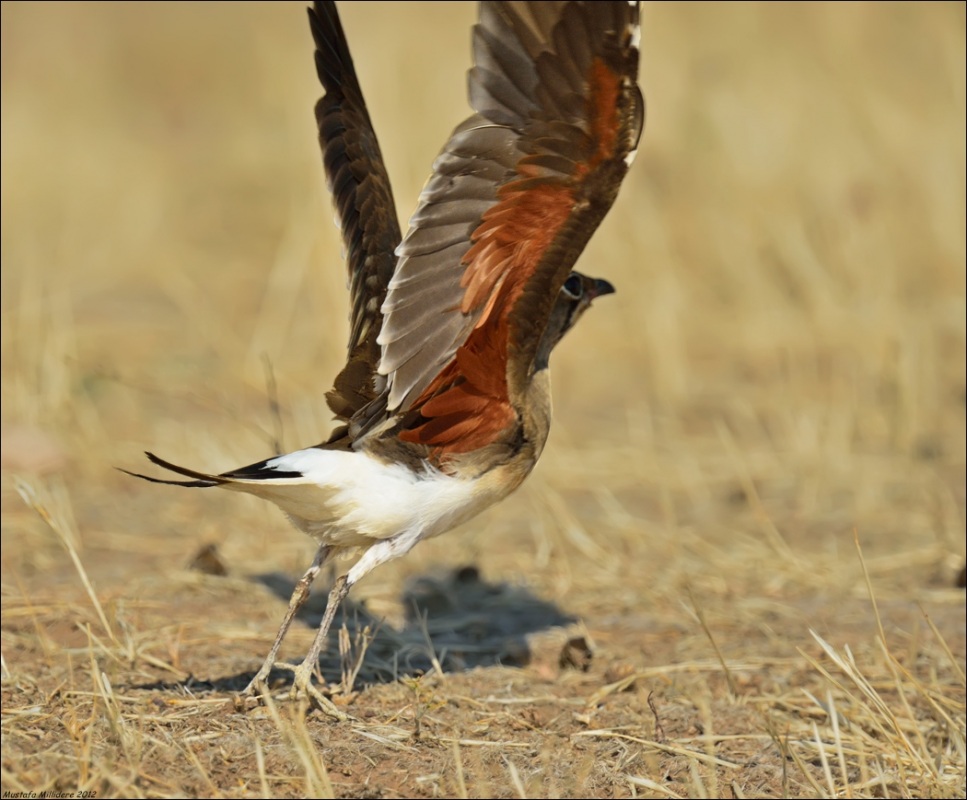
<point x="444" y="402"/>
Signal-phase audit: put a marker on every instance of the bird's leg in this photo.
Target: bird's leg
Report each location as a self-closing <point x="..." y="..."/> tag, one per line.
<point x="379" y="553"/>
<point x="299" y="596"/>
<point x="303" y="673"/>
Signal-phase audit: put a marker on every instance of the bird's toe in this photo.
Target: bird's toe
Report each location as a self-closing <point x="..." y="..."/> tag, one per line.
<point x="302" y="684"/>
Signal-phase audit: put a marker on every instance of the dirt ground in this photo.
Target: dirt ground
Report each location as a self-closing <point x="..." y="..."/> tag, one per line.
<point x="738" y="569"/>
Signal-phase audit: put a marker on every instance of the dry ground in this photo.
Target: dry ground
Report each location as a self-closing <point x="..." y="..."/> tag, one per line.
<point x="751" y="506"/>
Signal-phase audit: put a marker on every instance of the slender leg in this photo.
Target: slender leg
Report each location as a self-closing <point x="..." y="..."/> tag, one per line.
<point x="303" y="673"/>
<point x="299" y="596"/>
<point x="379" y="553"/>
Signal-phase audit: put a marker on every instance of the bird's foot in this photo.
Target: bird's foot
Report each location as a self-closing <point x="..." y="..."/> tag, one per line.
<point x="302" y="684"/>
<point x="251" y="696"/>
<point x="254" y="694"/>
<point x="257" y="686"/>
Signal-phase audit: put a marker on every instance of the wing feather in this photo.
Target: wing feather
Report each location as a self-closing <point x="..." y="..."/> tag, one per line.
<point x="558" y="113"/>
<point x="363" y="200"/>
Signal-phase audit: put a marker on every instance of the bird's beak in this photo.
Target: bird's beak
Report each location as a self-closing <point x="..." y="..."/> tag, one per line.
<point x="601" y="286"/>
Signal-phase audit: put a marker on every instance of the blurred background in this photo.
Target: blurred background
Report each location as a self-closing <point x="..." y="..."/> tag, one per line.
<point x="783" y="363"/>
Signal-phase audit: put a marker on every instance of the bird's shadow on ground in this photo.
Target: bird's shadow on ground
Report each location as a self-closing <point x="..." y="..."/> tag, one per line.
<point x="454" y="621"/>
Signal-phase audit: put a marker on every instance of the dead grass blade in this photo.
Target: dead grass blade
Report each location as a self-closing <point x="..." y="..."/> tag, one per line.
<point x="297" y="735"/>
<point x="458" y="772"/>
<point x="766" y="524"/>
<point x="260" y="766"/>
<point x="515" y="780"/>
<point x="351" y="656"/>
<point x="663" y="746"/>
<point x="653" y="786"/>
<point x="29" y="496"/>
<point x="943" y="643"/>
<point x="193" y="759"/>
<point x="718" y="653"/>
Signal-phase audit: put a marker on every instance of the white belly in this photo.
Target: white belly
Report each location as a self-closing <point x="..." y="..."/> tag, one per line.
<point x="350" y="499"/>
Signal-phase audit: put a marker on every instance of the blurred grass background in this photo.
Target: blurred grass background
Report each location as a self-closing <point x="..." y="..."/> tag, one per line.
<point x="783" y="364"/>
<point x="789" y="249"/>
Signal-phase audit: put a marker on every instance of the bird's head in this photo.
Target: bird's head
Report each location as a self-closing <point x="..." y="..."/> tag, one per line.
<point x="575" y="297"/>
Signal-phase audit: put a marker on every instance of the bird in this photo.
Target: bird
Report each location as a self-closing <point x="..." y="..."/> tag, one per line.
<point x="443" y="406"/>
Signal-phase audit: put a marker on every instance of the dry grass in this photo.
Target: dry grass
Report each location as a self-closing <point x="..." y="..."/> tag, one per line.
<point x="752" y="506"/>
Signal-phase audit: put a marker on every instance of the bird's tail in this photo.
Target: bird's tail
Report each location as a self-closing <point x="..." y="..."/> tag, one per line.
<point x="200" y="480"/>
<point x="243" y="479"/>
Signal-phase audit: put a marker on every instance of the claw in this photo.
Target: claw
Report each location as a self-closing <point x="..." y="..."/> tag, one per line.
<point x="302" y="684"/>
<point x="323" y="703"/>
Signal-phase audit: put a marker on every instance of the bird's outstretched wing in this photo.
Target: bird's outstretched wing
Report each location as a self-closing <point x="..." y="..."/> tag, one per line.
<point x="364" y="205"/>
<point x="514" y="197"/>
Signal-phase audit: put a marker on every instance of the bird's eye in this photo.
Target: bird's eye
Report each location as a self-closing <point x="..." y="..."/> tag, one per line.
<point x="574" y="286"/>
